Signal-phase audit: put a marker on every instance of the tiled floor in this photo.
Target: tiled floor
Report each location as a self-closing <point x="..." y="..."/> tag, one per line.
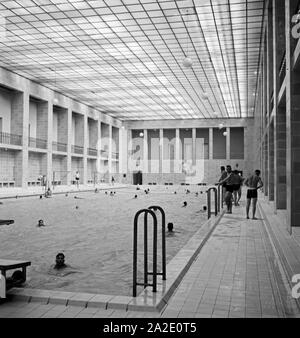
<point x="235" y="275"/>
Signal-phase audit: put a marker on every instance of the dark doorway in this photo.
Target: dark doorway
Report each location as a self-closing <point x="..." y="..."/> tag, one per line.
<point x="137" y="178"/>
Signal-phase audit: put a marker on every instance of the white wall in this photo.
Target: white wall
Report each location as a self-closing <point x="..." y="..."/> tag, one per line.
<point x="33" y="119"/>
<point x="5" y="111"/>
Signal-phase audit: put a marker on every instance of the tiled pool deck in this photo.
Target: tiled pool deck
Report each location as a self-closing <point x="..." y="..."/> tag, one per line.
<point x="239" y="272"/>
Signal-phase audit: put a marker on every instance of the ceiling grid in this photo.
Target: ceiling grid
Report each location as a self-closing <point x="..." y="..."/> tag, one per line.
<point x="125" y="57"/>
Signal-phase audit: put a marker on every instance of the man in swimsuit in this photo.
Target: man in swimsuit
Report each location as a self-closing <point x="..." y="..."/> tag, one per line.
<point x="229" y="188"/>
<point x="77" y="178"/>
<point x="253" y="183"/>
<point x="237" y="181"/>
<point x="222" y="177"/>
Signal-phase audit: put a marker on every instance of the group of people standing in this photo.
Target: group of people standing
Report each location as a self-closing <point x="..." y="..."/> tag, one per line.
<point x="232" y="182"/>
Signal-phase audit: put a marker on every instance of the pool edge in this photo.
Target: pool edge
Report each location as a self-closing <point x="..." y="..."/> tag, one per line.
<point x="146" y="300"/>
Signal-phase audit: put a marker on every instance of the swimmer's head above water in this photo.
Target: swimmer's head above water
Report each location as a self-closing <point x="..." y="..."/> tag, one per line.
<point x="170" y="227"/>
<point x="60" y="260"/>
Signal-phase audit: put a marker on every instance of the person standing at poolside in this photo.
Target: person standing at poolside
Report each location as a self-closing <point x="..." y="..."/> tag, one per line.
<point x="222" y="177"/>
<point x="229" y="188"/>
<point x="237" y="191"/>
<point x="253" y="183"/>
<point x="240" y="189"/>
<point x="77" y="178"/>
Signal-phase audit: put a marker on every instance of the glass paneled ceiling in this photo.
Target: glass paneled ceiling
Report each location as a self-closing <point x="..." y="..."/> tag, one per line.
<point x="125" y="57"/>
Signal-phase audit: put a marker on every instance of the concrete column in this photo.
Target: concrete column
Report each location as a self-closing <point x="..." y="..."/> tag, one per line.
<point x="280" y="159"/>
<point x="266" y="164"/>
<point x="69" y="148"/>
<point x="121" y="152"/>
<point x="99" y="150"/>
<point x="211" y="142"/>
<point x="129" y="149"/>
<point x="194" y="146"/>
<point x="265" y="117"/>
<point x="145" y="144"/>
<point x="177" y="151"/>
<point x="271" y="162"/>
<point x="227" y="143"/>
<point x="47" y="110"/>
<point x="270" y="83"/>
<point x="20" y="113"/>
<point x="161" y="147"/>
<point x="279" y="112"/>
<point x="292" y="125"/>
<point x="85" y="147"/>
<point x="109" y="151"/>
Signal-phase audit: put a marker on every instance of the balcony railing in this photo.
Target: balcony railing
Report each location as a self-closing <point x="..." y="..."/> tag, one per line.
<point x="92" y="151"/>
<point x="58" y="146"/>
<point x="115" y="156"/>
<point x="77" y="149"/>
<point x="12" y="139"/>
<point x="37" y="143"/>
<point x="104" y="153"/>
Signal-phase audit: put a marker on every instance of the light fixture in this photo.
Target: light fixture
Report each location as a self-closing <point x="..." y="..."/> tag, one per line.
<point x="221" y="126"/>
<point x="187" y="61"/>
<point x="225" y="133"/>
<point x="55" y="100"/>
<point x="141" y="134"/>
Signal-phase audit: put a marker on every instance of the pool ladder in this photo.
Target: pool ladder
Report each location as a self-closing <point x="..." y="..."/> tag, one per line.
<point x="147" y="212"/>
<point x="218" y="200"/>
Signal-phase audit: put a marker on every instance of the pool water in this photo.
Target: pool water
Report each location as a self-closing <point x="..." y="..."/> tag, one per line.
<point x="96" y="237"/>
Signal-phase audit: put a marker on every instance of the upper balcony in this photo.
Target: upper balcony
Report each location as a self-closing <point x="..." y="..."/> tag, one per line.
<point x="77" y="150"/>
<point x="10" y="139"/>
<point x="92" y="152"/>
<point x="59" y="146"/>
<point x="37" y="143"/>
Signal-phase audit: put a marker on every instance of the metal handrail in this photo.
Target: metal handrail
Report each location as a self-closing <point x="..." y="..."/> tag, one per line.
<point x="154" y="283"/>
<point x="115" y="155"/>
<point x="92" y="151"/>
<point x="209" y="201"/>
<point x="163" y="241"/>
<point x="34" y="142"/>
<point x="12" y="139"/>
<point x="77" y="149"/>
<point x="59" y="146"/>
<point x="220" y="197"/>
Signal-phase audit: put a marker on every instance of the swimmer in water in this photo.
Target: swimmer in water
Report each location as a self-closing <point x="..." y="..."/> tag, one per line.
<point x="171" y="231"/>
<point x="60" y="261"/>
<point x="41" y="223"/>
<point x="60" y="268"/>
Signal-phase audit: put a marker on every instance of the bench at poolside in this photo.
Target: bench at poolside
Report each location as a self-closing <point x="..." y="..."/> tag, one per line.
<point x="7" y="264"/>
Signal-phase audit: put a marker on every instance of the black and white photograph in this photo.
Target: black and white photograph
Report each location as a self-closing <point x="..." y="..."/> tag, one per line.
<point x="149" y="163"/>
